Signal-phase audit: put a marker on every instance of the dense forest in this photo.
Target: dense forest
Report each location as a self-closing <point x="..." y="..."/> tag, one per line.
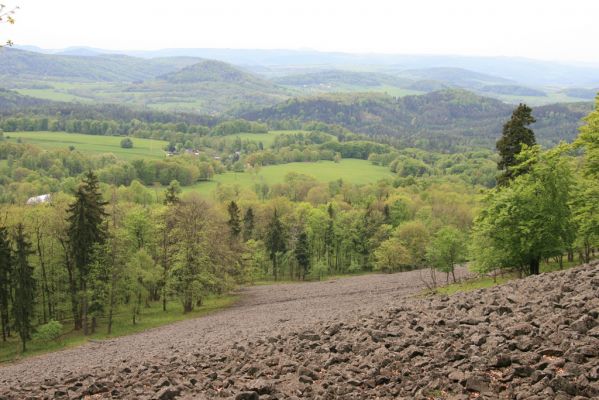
<point x="447" y="120"/>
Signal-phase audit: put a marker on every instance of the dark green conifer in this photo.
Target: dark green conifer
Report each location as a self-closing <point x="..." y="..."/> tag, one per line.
<point x="515" y="134"/>
<point x="24" y="287"/>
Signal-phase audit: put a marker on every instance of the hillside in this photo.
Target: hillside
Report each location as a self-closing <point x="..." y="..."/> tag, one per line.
<point x="458" y="77"/>
<point x="442" y="120"/>
<point x="210" y="71"/>
<point x="366" y="337"/>
<point x="342" y="77"/>
<point x="515" y="90"/>
<point x="21" y="64"/>
<point x="11" y="101"/>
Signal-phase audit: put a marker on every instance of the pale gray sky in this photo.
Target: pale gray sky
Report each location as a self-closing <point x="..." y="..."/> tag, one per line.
<point x="544" y="29"/>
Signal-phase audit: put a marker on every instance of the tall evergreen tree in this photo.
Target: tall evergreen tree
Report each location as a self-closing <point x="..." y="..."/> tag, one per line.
<point x="6" y="267"/>
<point x="275" y="242"/>
<point x="172" y="193"/>
<point x="24" y="287"/>
<point x="302" y="254"/>
<point x="248" y="224"/>
<point x="515" y="134"/>
<point x="86" y="230"/>
<point x="234" y="220"/>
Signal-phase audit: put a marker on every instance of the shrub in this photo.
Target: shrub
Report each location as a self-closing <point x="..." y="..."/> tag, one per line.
<point x="50" y="331"/>
<point x="127" y="143"/>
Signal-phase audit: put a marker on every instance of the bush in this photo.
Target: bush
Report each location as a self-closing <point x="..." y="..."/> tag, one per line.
<point x="50" y="331"/>
<point x="127" y="143"/>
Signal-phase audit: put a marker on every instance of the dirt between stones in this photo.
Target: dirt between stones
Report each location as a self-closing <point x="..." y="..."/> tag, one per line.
<point x="353" y="338"/>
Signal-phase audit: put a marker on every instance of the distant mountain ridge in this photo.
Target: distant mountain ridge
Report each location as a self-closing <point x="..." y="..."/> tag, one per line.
<point x="522" y="70"/>
<point x="108" y="68"/>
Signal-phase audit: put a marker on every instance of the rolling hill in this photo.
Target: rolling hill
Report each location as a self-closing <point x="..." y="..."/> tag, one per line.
<point x="12" y="101"/>
<point x="102" y="68"/>
<point x="342" y="77"/>
<point x="457" y="77"/>
<point x="443" y="120"/>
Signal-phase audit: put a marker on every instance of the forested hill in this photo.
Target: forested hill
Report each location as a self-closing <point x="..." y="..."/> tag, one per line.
<point x="439" y="120"/>
<point x="342" y="77"/>
<point x="15" y="104"/>
<point x="115" y="68"/>
<point x="211" y="71"/>
<point x="12" y="101"/>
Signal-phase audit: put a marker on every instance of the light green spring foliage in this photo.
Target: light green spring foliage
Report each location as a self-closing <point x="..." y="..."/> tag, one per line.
<point x="49" y="331"/>
<point x="392" y="256"/>
<point x="530" y="219"/>
<point x="447" y="248"/>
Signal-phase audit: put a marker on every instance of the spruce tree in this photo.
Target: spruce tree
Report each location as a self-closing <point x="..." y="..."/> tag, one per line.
<point x="86" y="230"/>
<point x="248" y="224"/>
<point x="6" y="267"/>
<point x="275" y="242"/>
<point x="24" y="287"/>
<point x="302" y="254"/>
<point x="172" y="193"/>
<point x="234" y="220"/>
<point x="515" y="134"/>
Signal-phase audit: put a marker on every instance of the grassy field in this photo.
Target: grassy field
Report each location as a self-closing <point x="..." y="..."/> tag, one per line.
<point x="92" y="144"/>
<point x="350" y="170"/>
<point x="267" y="139"/>
<point x="150" y="318"/>
<point x="485" y="281"/>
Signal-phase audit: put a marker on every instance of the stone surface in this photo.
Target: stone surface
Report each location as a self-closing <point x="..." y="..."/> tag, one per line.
<point x="354" y="338"/>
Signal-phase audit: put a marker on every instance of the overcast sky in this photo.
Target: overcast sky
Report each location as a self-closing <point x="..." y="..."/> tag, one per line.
<point x="543" y="29"/>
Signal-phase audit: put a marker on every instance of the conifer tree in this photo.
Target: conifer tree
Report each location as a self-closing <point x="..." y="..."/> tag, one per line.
<point x="275" y="242"/>
<point x="302" y="254"/>
<point x="515" y="134"/>
<point x="24" y="287"/>
<point x="234" y="220"/>
<point x="172" y="193"/>
<point x="248" y="224"/>
<point x="6" y="267"/>
<point x="86" y="230"/>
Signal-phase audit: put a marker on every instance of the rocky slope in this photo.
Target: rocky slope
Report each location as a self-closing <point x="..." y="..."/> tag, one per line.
<point x="536" y="338"/>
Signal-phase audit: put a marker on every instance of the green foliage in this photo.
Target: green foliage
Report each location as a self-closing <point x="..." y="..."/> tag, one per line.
<point x="515" y="136"/>
<point x="24" y="287"/>
<point x="127" y="143"/>
<point x="234" y="219"/>
<point x="302" y="254"/>
<point x="50" y="331"/>
<point x="275" y="241"/>
<point x="530" y="219"/>
<point x="6" y="274"/>
<point x="172" y="192"/>
<point x="447" y="249"/>
<point x="392" y="256"/>
<point x="589" y="139"/>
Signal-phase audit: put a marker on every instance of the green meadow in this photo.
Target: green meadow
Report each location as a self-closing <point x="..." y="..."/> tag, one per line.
<point x="350" y="170"/>
<point x="92" y="144"/>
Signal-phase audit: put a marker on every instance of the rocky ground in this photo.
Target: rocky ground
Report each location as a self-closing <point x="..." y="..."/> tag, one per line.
<point x="354" y="338"/>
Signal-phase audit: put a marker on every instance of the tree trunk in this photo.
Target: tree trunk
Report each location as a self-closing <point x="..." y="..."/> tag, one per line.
<point x="45" y="290"/>
<point x="534" y="266"/>
<point x="84" y="321"/>
<point x="72" y="287"/>
<point x="453" y="274"/>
